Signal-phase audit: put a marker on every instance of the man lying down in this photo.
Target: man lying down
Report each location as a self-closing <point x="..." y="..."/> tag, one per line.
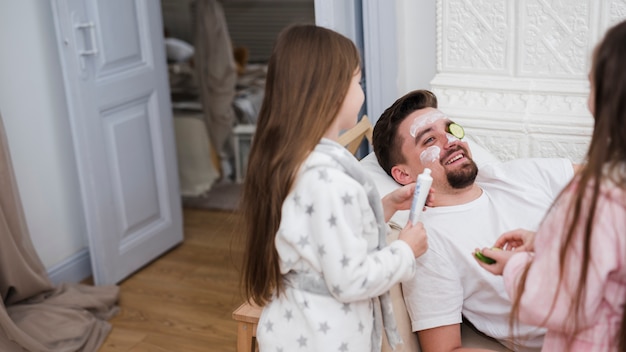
<point x="471" y="208"/>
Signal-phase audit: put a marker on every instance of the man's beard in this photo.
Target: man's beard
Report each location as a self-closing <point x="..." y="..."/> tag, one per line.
<point x="463" y="177"/>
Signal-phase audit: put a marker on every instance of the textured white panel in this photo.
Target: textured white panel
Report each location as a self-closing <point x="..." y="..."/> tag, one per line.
<point x="559" y="145"/>
<point x="555" y="38"/>
<point x="613" y="11"/>
<point x="475" y="35"/>
<point x="504" y="145"/>
<point x="514" y="72"/>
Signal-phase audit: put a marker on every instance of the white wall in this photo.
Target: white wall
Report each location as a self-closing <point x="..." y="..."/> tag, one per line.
<point x="416" y="38"/>
<point x="33" y="108"/>
<point x="399" y="40"/>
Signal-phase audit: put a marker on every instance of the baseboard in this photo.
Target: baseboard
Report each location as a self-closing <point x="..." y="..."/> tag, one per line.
<point x="74" y="269"/>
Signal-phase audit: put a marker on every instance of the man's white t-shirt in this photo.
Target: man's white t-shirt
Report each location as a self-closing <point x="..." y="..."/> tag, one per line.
<point x="449" y="283"/>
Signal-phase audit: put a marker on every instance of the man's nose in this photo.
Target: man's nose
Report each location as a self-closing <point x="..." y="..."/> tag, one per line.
<point x="450" y="141"/>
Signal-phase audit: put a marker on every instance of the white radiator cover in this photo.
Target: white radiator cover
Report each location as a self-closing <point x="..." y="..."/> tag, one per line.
<point x="514" y="72"/>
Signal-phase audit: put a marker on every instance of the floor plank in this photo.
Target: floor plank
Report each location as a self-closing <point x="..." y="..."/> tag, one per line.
<point x="183" y="301"/>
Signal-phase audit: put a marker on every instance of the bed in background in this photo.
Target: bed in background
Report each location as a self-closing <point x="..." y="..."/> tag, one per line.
<point x="252" y="25"/>
<point x="198" y="164"/>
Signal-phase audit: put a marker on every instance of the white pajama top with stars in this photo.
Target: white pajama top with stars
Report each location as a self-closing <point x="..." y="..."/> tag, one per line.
<point x="329" y="233"/>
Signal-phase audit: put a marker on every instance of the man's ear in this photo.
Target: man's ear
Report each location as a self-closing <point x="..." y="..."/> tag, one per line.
<point x="398" y="172"/>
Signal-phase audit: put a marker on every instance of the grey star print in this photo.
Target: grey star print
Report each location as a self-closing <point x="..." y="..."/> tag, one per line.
<point x="321" y="251"/>
<point x="296" y="199"/>
<point x="337" y="291"/>
<point x="288" y="314"/>
<point x="345" y="261"/>
<point x="332" y="221"/>
<point x="304" y="241"/>
<point x="346" y="307"/>
<point x="302" y="341"/>
<point x="324" y="175"/>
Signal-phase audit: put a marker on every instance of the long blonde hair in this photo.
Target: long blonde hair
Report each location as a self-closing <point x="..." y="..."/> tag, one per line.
<point x="308" y="76"/>
<point x="607" y="151"/>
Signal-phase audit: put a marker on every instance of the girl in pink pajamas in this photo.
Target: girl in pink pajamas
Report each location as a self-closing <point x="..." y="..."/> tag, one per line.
<point x="570" y="276"/>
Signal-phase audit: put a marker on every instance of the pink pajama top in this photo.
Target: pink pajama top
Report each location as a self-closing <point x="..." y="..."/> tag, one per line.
<point x="606" y="283"/>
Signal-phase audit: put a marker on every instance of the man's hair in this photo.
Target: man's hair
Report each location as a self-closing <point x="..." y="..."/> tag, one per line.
<point x="386" y="142"/>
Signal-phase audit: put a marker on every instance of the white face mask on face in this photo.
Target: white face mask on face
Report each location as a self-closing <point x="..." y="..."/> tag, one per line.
<point x="426" y="119"/>
<point x="430" y="155"/>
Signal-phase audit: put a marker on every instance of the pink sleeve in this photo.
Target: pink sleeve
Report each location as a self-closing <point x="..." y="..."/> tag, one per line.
<point x="513" y="271"/>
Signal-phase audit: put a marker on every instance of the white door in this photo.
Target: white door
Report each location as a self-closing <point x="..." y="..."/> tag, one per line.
<point x="113" y="64"/>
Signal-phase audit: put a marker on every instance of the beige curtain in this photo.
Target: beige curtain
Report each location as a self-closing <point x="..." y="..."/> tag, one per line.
<point x="35" y="315"/>
<point x="217" y="73"/>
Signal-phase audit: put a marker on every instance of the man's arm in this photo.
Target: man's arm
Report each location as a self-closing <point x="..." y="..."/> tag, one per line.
<point x="443" y="339"/>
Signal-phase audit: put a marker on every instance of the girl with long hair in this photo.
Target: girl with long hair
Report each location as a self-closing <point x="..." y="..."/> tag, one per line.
<point x="316" y="258"/>
<point x="570" y="276"/>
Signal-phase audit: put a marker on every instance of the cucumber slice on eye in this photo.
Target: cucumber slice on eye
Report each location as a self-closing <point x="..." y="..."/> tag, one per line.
<point x="456" y="130"/>
<point x="484" y="258"/>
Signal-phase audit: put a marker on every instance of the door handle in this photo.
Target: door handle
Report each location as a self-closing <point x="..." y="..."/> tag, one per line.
<point x="91" y="27"/>
<point x="84" y="53"/>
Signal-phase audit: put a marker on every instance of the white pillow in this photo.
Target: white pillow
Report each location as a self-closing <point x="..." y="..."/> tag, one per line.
<point x="385" y="183"/>
<point x="178" y="50"/>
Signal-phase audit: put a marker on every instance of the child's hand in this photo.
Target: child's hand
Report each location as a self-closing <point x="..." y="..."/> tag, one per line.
<point x="499" y="256"/>
<point x="401" y="199"/>
<point x="415" y="237"/>
<point x="398" y="199"/>
<point x="516" y="240"/>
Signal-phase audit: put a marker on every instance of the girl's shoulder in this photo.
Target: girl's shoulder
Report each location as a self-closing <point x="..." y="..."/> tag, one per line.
<point x="612" y="187"/>
<point x="323" y="173"/>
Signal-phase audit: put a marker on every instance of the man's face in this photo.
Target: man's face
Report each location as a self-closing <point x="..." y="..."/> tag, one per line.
<point x="427" y="143"/>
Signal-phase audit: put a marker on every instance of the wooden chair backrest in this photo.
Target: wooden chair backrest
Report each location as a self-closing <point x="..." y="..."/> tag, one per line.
<point x="353" y="137"/>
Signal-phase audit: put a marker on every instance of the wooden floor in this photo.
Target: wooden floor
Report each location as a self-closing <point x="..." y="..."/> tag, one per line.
<point x="183" y="301"/>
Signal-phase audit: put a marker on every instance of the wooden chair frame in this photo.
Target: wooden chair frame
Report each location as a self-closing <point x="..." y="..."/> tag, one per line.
<point x="353" y="137"/>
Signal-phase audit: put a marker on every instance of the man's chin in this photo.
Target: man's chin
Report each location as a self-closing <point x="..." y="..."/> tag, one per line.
<point x="463" y="177"/>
